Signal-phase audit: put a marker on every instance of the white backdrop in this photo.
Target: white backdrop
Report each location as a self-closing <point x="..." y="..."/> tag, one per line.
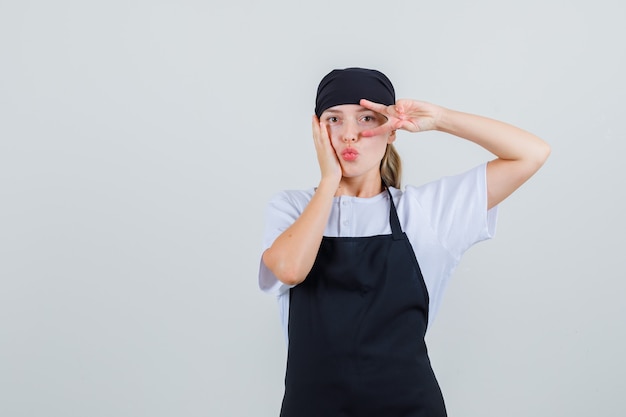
<point x="141" y="140"/>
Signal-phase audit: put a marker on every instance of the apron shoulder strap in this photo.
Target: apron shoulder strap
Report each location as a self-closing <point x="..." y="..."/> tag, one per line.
<point x="394" y="221"/>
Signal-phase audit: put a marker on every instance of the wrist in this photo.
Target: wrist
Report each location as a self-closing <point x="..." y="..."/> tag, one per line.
<point x="443" y="119"/>
<point x="328" y="186"/>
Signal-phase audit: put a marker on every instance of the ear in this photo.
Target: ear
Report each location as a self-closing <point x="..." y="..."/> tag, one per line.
<point x="392" y="137"/>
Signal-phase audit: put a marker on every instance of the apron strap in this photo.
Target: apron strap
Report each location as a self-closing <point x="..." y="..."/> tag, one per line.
<point x="394" y="222"/>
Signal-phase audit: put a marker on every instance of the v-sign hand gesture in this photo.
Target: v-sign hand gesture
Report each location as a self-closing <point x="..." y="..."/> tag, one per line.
<point x="409" y="115"/>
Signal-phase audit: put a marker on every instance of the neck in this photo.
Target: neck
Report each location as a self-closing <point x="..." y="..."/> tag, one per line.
<point x="360" y="187"/>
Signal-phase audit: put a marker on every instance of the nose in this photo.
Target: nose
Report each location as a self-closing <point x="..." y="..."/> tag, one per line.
<point x="350" y="132"/>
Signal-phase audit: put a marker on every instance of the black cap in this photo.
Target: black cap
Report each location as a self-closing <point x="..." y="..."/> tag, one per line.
<point x="350" y="85"/>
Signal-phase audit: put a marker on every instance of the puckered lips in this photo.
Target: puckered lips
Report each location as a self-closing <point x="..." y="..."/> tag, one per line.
<point x="349" y="154"/>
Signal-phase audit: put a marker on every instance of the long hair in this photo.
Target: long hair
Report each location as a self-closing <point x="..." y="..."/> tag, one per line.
<point x="391" y="167"/>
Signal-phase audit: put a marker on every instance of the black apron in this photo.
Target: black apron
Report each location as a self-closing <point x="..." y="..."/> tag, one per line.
<point x="356" y="332"/>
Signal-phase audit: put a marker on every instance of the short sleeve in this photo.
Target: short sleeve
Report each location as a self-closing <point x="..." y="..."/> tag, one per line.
<point x="282" y="210"/>
<point x="456" y="207"/>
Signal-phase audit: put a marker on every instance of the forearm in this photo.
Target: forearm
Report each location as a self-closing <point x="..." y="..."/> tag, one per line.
<point x="293" y="253"/>
<point x="519" y="153"/>
<point x="505" y="141"/>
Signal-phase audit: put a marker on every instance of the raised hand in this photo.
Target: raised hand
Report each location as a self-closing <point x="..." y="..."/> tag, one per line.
<point x="409" y="115"/>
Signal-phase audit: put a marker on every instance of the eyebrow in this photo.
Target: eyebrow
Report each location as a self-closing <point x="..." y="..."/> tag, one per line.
<point x="361" y="110"/>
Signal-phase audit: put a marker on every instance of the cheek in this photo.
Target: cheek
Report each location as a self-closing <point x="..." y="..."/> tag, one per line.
<point x="379" y="148"/>
<point x="335" y="133"/>
<point x="377" y="143"/>
<point x="335" y="138"/>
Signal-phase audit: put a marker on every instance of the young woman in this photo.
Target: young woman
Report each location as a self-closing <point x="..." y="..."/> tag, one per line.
<point x="359" y="266"/>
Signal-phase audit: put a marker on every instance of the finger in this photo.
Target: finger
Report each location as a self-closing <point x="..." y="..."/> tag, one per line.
<point x="380" y="130"/>
<point x="321" y="135"/>
<point x="315" y="123"/>
<point x="377" y="107"/>
<point x="324" y="135"/>
<point x="316" y="127"/>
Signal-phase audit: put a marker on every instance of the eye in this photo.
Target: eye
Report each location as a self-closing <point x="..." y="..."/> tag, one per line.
<point x="368" y="119"/>
<point x="332" y="119"/>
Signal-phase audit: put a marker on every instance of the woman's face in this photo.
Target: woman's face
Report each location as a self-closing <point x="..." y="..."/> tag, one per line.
<point x="357" y="155"/>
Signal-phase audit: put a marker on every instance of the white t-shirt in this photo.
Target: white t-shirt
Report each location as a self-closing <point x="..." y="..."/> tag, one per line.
<point x="442" y="219"/>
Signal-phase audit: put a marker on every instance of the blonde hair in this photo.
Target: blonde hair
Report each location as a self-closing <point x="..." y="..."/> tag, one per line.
<point x="391" y="167"/>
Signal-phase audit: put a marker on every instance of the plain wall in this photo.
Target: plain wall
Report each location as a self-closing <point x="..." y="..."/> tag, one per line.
<point x="141" y="140"/>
